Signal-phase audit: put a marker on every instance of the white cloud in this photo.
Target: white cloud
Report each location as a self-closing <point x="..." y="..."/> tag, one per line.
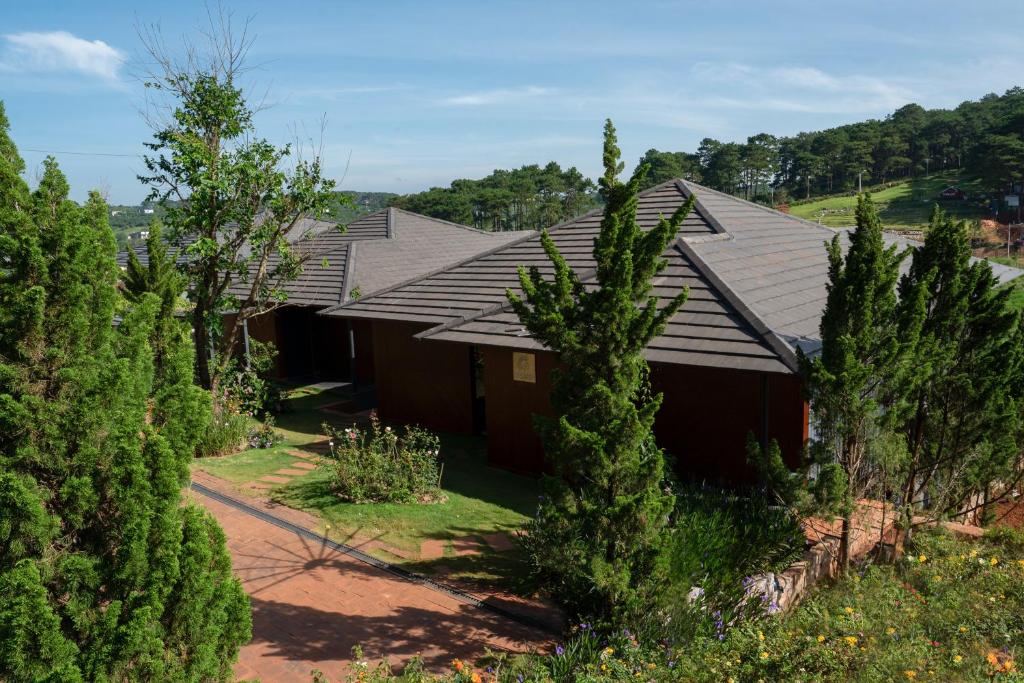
<point x="61" y="51"/>
<point x="497" y="96"/>
<point x="799" y="89"/>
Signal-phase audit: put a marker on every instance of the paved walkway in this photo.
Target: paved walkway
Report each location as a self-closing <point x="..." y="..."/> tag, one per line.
<point x="312" y="604"/>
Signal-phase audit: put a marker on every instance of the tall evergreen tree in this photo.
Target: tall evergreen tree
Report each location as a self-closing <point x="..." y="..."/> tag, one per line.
<point x="957" y="410"/>
<point x="860" y="350"/>
<point x="104" y="575"/>
<point x="601" y="525"/>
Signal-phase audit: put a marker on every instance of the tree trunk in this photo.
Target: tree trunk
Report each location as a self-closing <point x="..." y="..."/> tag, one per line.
<point x="844" y="546"/>
<point x="202" y="339"/>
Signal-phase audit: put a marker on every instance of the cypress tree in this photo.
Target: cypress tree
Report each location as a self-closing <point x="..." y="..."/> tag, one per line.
<point x="601" y="526"/>
<point x="957" y="410"/>
<point x="860" y="350"/>
<point x="103" y="573"/>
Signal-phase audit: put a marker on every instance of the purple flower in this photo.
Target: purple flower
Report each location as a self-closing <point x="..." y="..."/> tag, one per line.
<point x="584" y="627"/>
<point x="559" y="650"/>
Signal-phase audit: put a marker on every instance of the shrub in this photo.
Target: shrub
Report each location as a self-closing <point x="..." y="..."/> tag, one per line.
<point x="226" y="433"/>
<point x="247" y="386"/>
<point x="719" y="540"/>
<point x="263" y="434"/>
<point x="379" y="465"/>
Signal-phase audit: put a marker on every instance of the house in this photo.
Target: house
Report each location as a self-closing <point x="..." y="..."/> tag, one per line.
<point x="375" y="252"/>
<point x="952" y="192"/>
<point x="449" y="354"/>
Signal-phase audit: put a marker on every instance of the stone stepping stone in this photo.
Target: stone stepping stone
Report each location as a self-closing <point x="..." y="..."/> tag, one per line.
<point x="467" y="545"/>
<point x="303" y="465"/>
<point x="301" y="454"/>
<point x="499" y="541"/>
<point x="432" y="549"/>
<point x="275" y="479"/>
<point x="290" y="472"/>
<point x="260" y="485"/>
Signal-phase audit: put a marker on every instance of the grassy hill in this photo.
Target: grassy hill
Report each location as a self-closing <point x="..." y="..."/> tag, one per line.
<point x="903" y="205"/>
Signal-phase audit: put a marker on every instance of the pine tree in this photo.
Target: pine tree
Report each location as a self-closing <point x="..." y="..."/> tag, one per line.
<point x="602" y="524"/>
<point x="104" y="575"/>
<point x="861" y="350"/>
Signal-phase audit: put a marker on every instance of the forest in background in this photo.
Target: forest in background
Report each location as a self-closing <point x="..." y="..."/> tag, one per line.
<point x="981" y="140"/>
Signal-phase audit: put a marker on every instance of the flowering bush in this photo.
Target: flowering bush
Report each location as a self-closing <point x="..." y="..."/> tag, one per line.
<point x="263" y="435"/>
<point x="226" y="433"/>
<point x="378" y="464"/>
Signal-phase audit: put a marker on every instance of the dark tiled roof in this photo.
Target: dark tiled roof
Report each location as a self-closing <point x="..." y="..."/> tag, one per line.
<point x="756" y="276"/>
<point x="378" y="251"/>
<point x="467" y="301"/>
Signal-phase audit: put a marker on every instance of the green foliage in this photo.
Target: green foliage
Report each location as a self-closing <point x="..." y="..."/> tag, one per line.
<point x="957" y="409"/>
<point x="380" y="465"/>
<point x="603" y="521"/>
<point x="245" y="383"/>
<point x="952" y="612"/>
<point x="100" y="575"/>
<point x="981" y="138"/>
<point x="227" y="432"/>
<point x="527" y="198"/>
<point x="719" y="540"/>
<point x="229" y="192"/>
<point x="862" y="349"/>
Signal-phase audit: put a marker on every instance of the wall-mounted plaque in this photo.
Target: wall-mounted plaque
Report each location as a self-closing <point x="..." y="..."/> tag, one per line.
<point x="524" y="367"/>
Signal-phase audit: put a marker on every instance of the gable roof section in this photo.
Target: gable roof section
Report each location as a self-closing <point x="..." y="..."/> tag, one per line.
<point x="378" y="251"/>
<point x="777" y="263"/>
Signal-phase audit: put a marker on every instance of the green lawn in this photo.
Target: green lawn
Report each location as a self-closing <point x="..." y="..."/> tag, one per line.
<point x="480" y="499"/>
<point x="905" y="205"/>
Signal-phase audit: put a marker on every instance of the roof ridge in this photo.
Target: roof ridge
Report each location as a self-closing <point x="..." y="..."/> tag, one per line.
<point x="346" y="277"/>
<point x="774" y="341"/>
<point x="705" y="214"/>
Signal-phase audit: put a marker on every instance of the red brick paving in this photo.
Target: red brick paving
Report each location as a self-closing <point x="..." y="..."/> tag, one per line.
<point x="432" y="549"/>
<point x="312" y="604"/>
<point x="499" y="541"/>
<point x="468" y="545"/>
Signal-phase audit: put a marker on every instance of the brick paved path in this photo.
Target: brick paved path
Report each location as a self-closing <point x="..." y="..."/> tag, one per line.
<point x="311" y="605"/>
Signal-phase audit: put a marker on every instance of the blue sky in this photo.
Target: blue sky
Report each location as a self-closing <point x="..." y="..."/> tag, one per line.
<point x="415" y="94"/>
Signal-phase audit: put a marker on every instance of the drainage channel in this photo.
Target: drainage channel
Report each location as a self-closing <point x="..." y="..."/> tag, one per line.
<point x="359" y="555"/>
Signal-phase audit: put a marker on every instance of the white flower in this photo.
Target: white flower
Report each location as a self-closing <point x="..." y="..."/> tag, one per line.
<point x="387" y="429"/>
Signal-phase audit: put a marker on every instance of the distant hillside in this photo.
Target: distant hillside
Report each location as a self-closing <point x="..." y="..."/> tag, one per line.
<point x="904" y="205"/>
<point x="364" y="203"/>
<point x="126" y="219"/>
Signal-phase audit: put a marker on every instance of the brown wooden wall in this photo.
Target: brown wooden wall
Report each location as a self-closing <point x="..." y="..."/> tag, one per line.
<point x="703" y="422"/>
<point x="362" y="331"/>
<point x="422" y="382"/>
<point x="707" y="413"/>
<point x="512" y="442"/>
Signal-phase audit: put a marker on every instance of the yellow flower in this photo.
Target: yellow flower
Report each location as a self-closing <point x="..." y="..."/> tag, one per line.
<point x="848" y="610"/>
<point x="938" y="577"/>
<point x="652" y="666"/>
<point x="922" y="558"/>
<point x="764" y="655"/>
<point x="821" y="639"/>
<point x="963" y="629"/>
<point x="760" y="636"/>
<point x="994" y="561"/>
<point x="889" y="631"/>
<point x="957" y="659"/>
<point x="850" y="640"/>
<point x="910" y="673"/>
<point x="604" y="667"/>
<point x="973" y="554"/>
<point x="475" y="678"/>
<point x="609" y="651"/>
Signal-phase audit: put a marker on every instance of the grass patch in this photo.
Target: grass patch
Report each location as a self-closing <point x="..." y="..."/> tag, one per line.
<point x="479" y="500"/>
<point x="905" y="205"/>
<point x="247" y="466"/>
